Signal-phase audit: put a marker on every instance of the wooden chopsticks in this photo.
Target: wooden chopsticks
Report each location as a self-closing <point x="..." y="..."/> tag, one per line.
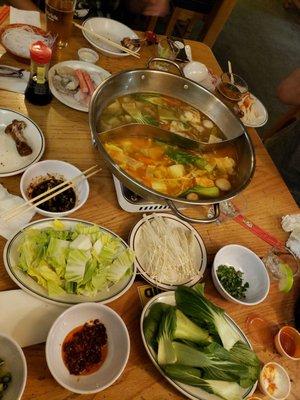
<point x="4" y="13"/>
<point x="49" y="194"/>
<point x="108" y="41"/>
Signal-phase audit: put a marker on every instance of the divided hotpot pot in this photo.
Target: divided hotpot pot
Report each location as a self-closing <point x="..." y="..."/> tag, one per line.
<point x="166" y="83"/>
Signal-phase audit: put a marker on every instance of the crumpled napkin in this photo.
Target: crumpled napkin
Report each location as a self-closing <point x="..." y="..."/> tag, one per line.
<point x="291" y="223"/>
<point x="17" y="16"/>
<point x="9" y="201"/>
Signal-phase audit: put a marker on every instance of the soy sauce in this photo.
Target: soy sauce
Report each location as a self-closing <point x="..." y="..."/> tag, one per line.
<point x="37" y="91"/>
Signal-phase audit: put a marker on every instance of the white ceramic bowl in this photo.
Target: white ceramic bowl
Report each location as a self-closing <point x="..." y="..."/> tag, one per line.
<point x="88" y="55"/>
<point x="283" y="382"/>
<point x="56" y="168"/>
<point x="110" y="29"/>
<point x="196" y="71"/>
<point x="254" y="272"/>
<point x="15" y="363"/>
<point x="117" y="355"/>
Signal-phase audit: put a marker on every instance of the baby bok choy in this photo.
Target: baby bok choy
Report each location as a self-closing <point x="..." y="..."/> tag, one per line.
<point x="217" y="363"/>
<point x="175" y="325"/>
<point x="193" y="376"/>
<point x="193" y="304"/>
<point x="151" y="323"/>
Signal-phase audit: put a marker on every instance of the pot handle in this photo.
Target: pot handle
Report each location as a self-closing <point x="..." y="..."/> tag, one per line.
<point x="207" y="220"/>
<point x="153" y="59"/>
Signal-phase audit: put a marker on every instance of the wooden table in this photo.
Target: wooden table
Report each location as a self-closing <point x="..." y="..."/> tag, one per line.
<point x="267" y="199"/>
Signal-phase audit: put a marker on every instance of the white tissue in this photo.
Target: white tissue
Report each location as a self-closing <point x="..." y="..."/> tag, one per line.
<point x="291" y="223"/>
<point x="293" y="242"/>
<point x="9" y="201"/>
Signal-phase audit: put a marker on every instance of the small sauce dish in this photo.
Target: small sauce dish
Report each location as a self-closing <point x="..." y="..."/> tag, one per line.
<point x="196" y="71"/>
<point x="232" y="86"/>
<point x="274" y="381"/>
<point x="287" y="343"/>
<point x="88" y="55"/>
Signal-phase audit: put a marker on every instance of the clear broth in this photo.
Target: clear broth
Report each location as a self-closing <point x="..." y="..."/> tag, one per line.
<point x="162" y="111"/>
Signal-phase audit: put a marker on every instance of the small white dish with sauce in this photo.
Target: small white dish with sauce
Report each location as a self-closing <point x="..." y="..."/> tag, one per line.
<point x="118" y="348"/>
<point x="58" y="169"/>
<point x="274" y="381"/>
<point x="88" y="55"/>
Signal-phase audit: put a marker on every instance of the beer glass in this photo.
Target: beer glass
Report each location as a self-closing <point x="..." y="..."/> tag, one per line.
<point x="59" y="17"/>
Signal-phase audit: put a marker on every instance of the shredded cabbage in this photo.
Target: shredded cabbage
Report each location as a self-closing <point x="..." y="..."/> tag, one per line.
<point x="84" y="260"/>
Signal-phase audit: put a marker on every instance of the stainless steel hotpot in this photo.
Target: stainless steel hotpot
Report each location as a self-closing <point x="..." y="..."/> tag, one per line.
<point x="148" y="80"/>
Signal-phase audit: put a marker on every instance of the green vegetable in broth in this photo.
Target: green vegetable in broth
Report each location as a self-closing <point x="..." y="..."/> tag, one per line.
<point x="168" y="113"/>
<point x="183" y="157"/>
<point x="170" y="170"/>
<point x="203" y="191"/>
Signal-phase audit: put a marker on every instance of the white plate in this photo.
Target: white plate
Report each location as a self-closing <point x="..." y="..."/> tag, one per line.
<point x="192" y="392"/>
<point x="110" y="29"/>
<point x="69" y="100"/>
<point x="173" y="221"/>
<point x="262" y="120"/>
<point x="11" y="163"/>
<point x="118" y="348"/>
<point x="25" y="282"/>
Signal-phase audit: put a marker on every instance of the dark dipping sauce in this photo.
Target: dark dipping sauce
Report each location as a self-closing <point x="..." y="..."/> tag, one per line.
<point x="64" y="201"/>
<point x="231" y="91"/>
<point x="85" y="348"/>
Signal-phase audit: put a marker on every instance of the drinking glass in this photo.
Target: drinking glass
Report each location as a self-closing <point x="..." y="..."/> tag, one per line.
<point x="59" y="18"/>
<point x="276" y="256"/>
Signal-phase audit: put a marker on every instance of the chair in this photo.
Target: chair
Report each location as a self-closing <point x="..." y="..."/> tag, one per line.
<point x="213" y="16"/>
<point x="189" y="17"/>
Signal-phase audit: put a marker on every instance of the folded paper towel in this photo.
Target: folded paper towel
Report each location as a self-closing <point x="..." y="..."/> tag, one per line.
<point x="7" y="202"/>
<point x="13" y="84"/>
<point x="24" y="17"/>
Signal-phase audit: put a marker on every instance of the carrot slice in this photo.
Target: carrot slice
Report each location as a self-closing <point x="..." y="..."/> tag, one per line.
<point x="83" y="86"/>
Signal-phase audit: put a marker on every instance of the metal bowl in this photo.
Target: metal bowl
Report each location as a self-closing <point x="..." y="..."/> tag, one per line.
<point x="147" y="80"/>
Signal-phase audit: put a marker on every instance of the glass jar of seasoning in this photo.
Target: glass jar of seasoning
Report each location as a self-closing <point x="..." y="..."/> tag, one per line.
<point x="37" y="91"/>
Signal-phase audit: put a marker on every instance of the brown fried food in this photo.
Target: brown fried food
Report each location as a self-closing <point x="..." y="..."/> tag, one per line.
<point x="15" y="130"/>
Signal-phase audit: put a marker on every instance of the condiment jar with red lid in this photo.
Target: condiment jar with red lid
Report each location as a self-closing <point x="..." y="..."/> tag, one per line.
<point x="37" y="91"/>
